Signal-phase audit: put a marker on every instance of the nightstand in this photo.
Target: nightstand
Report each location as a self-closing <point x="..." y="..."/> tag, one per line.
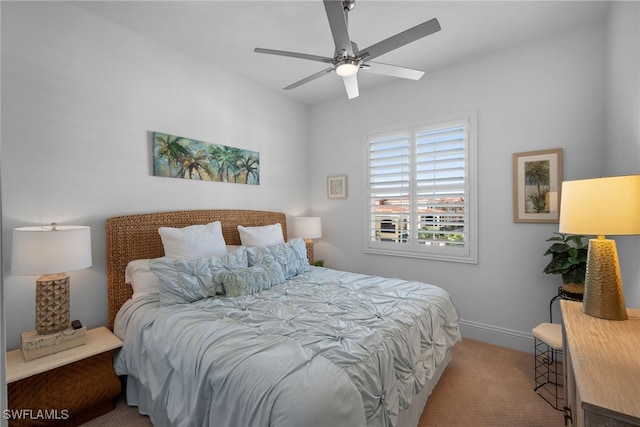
<point x="66" y="388"/>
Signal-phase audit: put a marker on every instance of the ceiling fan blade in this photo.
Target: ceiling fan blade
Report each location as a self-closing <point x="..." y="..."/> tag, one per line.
<point x="394" y="70"/>
<point x="309" y="78"/>
<point x="294" y="55"/>
<point x="351" y="85"/>
<point x="338" y="24"/>
<point x="400" y="39"/>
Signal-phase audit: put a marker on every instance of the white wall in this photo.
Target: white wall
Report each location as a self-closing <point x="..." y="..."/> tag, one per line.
<point x="544" y="94"/>
<point x="80" y="96"/>
<point x="622" y="141"/>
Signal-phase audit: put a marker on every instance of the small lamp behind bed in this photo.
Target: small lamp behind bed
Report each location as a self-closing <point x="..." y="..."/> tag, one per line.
<point x="308" y="228"/>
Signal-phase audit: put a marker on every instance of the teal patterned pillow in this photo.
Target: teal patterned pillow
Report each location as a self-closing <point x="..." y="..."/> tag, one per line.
<point x="188" y="280"/>
<point x="247" y="281"/>
<point x="292" y="257"/>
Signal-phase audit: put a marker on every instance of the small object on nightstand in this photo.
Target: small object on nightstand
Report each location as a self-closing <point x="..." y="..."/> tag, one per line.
<point x="76" y="324"/>
<point x="36" y="345"/>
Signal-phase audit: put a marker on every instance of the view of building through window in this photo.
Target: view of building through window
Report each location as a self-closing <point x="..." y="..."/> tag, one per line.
<point x="418" y="187"/>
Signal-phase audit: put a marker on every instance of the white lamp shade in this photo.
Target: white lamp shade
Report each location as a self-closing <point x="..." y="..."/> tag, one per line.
<point x="601" y="206"/>
<point x="45" y="250"/>
<point x="307" y="227"/>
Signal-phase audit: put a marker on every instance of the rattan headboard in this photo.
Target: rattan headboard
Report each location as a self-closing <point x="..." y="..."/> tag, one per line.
<point x="133" y="237"/>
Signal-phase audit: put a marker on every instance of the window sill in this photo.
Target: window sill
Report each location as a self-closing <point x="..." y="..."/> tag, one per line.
<point x="422" y="255"/>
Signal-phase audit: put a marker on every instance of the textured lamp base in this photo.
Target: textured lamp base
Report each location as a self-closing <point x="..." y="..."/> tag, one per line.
<point x="309" y="245"/>
<point x="603" y="295"/>
<point x="52" y="303"/>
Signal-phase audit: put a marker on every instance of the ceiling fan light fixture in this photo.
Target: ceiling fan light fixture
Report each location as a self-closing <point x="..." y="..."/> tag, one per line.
<point x="348" y="59"/>
<point x="347" y="68"/>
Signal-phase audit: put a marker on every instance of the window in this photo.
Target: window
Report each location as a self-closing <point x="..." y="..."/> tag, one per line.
<point x="421" y="190"/>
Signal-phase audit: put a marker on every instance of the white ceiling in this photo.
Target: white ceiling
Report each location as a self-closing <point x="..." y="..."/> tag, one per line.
<point x="226" y="32"/>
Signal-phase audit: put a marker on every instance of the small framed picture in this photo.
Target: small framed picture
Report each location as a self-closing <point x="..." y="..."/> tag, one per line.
<point x="337" y="187"/>
<point x="537" y="181"/>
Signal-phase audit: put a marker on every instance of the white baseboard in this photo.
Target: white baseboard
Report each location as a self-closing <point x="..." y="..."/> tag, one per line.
<point x="496" y="335"/>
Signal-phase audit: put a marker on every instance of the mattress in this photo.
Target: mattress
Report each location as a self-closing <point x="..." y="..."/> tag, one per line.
<point x="324" y="348"/>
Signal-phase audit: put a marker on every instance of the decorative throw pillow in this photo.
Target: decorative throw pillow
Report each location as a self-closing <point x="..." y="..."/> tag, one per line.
<point x="195" y="241"/>
<point x="188" y="280"/>
<point x="261" y="236"/>
<point x="228" y="262"/>
<point x="248" y="281"/>
<point x="292" y="257"/>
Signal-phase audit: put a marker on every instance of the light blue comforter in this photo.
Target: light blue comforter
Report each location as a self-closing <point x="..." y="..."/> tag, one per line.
<point x="326" y="348"/>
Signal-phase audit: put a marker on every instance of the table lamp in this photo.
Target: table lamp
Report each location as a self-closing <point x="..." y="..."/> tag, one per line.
<point x="600" y="207"/>
<point x="51" y="252"/>
<point x="308" y="228"/>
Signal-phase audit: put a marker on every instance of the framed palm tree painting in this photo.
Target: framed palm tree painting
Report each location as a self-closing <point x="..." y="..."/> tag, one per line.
<point x="180" y="157"/>
<point x="537" y="181"/>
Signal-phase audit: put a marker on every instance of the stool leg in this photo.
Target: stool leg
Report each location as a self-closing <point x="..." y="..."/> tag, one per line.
<point x="546" y="373"/>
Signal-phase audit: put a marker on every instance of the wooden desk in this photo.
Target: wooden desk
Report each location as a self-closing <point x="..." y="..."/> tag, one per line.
<point x="602" y="367"/>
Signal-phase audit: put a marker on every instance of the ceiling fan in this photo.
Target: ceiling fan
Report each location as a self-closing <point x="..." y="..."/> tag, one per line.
<point x="348" y="59"/>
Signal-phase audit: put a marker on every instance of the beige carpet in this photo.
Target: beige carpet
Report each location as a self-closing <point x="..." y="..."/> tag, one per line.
<point x="484" y="385"/>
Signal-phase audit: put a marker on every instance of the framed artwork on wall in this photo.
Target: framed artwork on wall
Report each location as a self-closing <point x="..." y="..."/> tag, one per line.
<point x="186" y="158"/>
<point x="337" y="187"/>
<point x="537" y="182"/>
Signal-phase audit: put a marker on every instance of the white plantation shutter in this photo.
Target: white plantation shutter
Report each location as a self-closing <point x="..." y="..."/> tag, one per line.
<point x="440" y="184"/>
<point x="389" y="185"/>
<point x="419" y="185"/>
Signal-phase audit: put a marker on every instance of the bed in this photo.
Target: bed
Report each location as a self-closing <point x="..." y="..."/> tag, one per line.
<point x="324" y="347"/>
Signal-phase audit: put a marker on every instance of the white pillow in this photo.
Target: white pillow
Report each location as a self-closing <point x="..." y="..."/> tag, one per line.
<point x="262" y="236"/>
<point x="135" y="266"/>
<point x="195" y="241"/>
<point x="143" y="281"/>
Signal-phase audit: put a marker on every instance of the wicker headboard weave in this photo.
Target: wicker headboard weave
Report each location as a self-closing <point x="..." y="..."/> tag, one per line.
<point x="134" y="237"/>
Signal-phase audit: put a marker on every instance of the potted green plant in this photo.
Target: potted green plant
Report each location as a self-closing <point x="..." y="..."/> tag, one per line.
<point x="569" y="259"/>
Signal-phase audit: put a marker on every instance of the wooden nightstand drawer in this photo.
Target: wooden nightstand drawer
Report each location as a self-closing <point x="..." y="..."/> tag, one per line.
<point x="66" y="388"/>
